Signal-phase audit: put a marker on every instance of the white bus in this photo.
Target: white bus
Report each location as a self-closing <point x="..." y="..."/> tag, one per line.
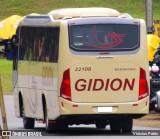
<point x="81" y="66"/>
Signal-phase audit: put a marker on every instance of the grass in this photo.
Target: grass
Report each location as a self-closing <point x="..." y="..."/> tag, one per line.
<point x="6" y="76"/>
<point x="22" y="7"/>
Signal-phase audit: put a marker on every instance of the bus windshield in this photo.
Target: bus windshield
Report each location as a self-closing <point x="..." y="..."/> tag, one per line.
<point x="99" y="37"/>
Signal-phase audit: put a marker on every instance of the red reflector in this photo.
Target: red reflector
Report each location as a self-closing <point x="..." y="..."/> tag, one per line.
<point x="75" y="105"/>
<point x="135" y="105"/>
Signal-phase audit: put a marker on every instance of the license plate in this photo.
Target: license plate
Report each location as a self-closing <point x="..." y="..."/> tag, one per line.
<point x="105" y="109"/>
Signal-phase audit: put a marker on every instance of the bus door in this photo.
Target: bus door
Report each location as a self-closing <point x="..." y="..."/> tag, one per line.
<point x="22" y="58"/>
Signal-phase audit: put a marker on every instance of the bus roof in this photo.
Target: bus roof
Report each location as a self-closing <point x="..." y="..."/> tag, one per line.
<point x="69" y="13"/>
<point x="82" y="12"/>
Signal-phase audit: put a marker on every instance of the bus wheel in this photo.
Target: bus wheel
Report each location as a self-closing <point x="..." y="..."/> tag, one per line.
<point x="100" y="125"/>
<point x="127" y="125"/>
<point x="60" y="126"/>
<point x="28" y="123"/>
<point x="115" y="125"/>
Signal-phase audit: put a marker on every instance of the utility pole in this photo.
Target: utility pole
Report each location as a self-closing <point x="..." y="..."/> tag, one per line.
<point x="149" y="16"/>
<point x="3" y="114"/>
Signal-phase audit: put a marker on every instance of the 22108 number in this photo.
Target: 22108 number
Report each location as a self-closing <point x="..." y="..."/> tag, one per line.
<point x="82" y="68"/>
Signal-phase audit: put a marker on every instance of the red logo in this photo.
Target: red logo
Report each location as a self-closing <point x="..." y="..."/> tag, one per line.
<point x="99" y="84"/>
<point x="110" y="40"/>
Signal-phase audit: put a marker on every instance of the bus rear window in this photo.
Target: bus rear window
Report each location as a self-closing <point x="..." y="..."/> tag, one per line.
<point x="104" y="37"/>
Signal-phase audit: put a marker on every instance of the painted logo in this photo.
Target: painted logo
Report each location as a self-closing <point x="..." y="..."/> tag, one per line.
<point x="110" y="40"/>
<point x="100" y="84"/>
<point x="47" y="76"/>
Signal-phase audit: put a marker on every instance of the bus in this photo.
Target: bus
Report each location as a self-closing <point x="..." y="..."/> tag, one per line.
<point x="81" y="66"/>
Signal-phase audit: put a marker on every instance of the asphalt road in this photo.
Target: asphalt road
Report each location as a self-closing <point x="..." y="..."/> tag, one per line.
<point x="78" y="132"/>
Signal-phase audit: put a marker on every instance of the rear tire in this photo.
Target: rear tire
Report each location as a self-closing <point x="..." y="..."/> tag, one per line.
<point x="28" y="123"/>
<point x="115" y="125"/>
<point x="51" y="126"/>
<point x="121" y="125"/>
<point x="127" y="125"/>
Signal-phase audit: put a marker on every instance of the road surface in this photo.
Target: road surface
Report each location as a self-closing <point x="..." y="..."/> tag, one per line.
<point x="78" y="132"/>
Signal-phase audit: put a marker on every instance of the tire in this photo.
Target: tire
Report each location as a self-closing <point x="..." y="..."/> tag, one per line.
<point x="100" y="125"/>
<point x="115" y="125"/>
<point x="127" y="125"/>
<point x="121" y="125"/>
<point x="28" y="123"/>
<point x="60" y="126"/>
<point x="51" y="126"/>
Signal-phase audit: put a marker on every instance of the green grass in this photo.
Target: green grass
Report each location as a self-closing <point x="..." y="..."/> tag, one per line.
<point x="23" y="7"/>
<point x="6" y="75"/>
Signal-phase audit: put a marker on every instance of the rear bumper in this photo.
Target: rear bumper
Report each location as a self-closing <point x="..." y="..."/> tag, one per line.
<point x="71" y="108"/>
<point x="92" y="118"/>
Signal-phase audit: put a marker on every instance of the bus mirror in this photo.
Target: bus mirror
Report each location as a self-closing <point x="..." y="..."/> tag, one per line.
<point x="14" y="39"/>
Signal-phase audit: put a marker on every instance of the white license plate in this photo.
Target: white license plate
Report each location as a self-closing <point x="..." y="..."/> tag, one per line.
<point x="105" y="109"/>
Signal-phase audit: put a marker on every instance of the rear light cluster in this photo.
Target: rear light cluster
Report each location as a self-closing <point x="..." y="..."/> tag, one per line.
<point x="143" y="85"/>
<point x="65" y="90"/>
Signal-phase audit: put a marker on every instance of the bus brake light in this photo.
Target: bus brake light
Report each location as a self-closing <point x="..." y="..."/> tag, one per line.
<point x="143" y="86"/>
<point x="65" y="90"/>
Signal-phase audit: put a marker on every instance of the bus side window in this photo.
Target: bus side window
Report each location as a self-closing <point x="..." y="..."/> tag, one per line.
<point x="52" y="45"/>
<point x="56" y="45"/>
<point x="39" y="44"/>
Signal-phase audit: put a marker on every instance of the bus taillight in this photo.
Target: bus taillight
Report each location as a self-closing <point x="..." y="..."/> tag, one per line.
<point x="143" y="86"/>
<point x="65" y="90"/>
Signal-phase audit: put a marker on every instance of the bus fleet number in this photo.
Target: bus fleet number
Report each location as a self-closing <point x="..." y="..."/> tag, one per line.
<point x="82" y="68"/>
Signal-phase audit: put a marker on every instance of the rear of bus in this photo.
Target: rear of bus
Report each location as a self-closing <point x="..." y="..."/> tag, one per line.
<point x="103" y="71"/>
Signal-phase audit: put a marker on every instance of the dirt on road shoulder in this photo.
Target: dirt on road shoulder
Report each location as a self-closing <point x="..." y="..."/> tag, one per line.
<point x="150" y="120"/>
